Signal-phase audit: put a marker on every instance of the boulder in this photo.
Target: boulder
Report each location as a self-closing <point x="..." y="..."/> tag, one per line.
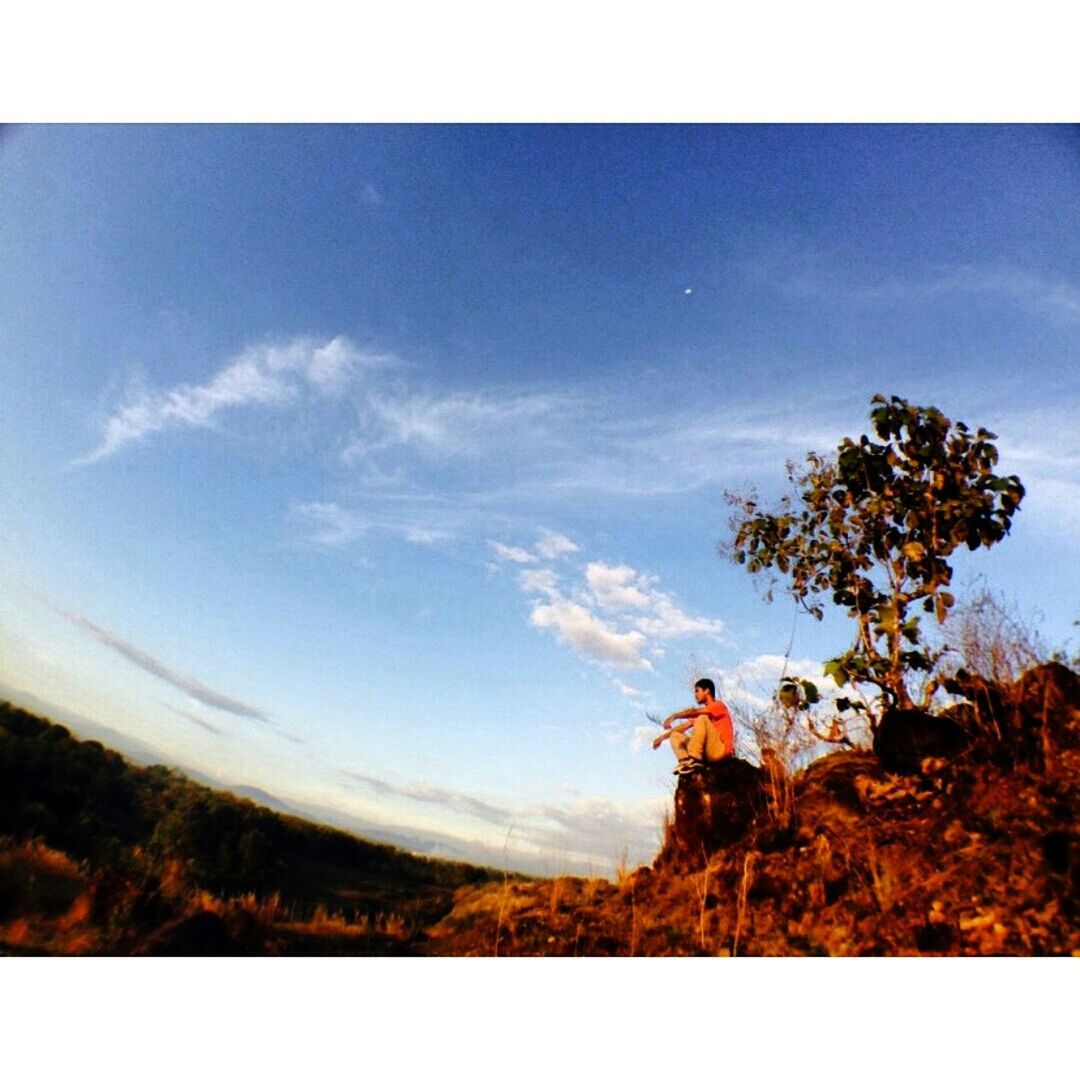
<point x="714" y="806"/>
<point x="906" y="736"/>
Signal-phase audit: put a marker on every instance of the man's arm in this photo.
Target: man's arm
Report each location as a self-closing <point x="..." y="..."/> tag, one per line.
<point x="686" y="714"/>
<point x="690" y="714"/>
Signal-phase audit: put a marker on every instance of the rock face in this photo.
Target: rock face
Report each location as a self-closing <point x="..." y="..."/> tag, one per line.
<point x="714" y="806"/>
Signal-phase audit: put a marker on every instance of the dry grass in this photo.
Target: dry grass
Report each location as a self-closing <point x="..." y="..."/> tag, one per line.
<point x="779" y="791"/>
<point x="987" y="636"/>
<point x="46" y="900"/>
<point x="51" y="904"/>
<point x="701" y="888"/>
<point x="36" y="856"/>
<point x="740" y="916"/>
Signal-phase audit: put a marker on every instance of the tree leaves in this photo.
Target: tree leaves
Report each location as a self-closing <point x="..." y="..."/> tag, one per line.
<point x="875" y="525"/>
<point x="797" y="693"/>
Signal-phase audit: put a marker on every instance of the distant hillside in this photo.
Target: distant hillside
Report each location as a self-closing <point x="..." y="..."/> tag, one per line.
<point x="150" y="829"/>
<point x="418" y="841"/>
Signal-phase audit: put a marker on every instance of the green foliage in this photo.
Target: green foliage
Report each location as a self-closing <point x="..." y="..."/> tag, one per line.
<point x="875" y="525"/>
<point x="799" y="694"/>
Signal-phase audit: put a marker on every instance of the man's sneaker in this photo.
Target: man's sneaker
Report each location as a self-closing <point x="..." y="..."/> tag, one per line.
<point x="687" y="765"/>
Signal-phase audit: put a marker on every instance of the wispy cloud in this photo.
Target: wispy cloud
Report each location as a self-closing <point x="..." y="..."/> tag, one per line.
<point x="263" y="375"/>
<point x="1045" y="453"/>
<point x="552" y="545"/>
<point x="537" y="445"/>
<point x="1035" y="293"/>
<point x="370" y="195"/>
<point x="433" y="464"/>
<point x="459" y="423"/>
<point x="332" y="525"/>
<point x="600" y="826"/>
<point x="583" y="827"/>
<point x="191" y="718"/>
<point x="512" y="554"/>
<point x="544" y="581"/>
<point x="192" y="687"/>
<point x="446" y="798"/>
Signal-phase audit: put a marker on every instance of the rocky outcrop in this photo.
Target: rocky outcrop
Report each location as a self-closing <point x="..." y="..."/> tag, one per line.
<point x="1027" y="721"/>
<point x="714" y="806"/>
<point x="1048" y="696"/>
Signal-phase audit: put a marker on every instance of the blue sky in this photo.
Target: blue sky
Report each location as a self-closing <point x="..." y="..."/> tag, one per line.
<point x="382" y="467"/>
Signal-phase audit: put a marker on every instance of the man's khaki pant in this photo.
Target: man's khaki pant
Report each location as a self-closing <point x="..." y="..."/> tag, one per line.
<point x="703" y="743"/>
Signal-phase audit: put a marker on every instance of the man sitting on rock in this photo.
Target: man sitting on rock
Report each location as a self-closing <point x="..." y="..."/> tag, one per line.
<point x="712" y="737"/>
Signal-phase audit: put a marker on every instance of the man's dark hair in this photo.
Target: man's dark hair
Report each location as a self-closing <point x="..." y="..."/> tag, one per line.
<point x="706" y="684"/>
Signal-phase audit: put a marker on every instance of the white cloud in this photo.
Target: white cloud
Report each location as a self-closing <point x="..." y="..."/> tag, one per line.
<point x="614" y="588"/>
<point x="512" y="554"/>
<point x="263" y="375"/>
<point x="589" y="635"/>
<point x="628" y="691"/>
<point x="614" y="617"/>
<point x="328" y="367"/>
<point x="622" y="588"/>
<point x="667" y="620"/>
<point x="551" y="545"/>
<point x="543" y="581"/>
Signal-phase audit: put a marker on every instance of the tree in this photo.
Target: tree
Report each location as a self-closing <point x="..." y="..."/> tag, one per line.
<point x="875" y="524"/>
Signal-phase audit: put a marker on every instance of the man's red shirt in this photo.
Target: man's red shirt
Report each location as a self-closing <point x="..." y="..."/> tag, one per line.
<point x="720" y="718"/>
